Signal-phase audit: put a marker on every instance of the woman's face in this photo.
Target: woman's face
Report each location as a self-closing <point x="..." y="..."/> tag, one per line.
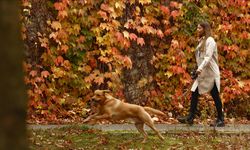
<point x="200" y="30"/>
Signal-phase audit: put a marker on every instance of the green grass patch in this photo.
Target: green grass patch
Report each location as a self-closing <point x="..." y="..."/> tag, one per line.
<point x="82" y="137"/>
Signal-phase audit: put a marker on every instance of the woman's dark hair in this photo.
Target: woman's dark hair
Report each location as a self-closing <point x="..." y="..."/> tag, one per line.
<point x="207" y="28"/>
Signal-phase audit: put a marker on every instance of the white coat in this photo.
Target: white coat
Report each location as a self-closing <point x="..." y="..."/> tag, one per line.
<point x="207" y="62"/>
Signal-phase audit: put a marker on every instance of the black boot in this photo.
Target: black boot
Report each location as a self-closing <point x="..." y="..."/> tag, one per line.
<point x="219" y="122"/>
<point x="189" y="119"/>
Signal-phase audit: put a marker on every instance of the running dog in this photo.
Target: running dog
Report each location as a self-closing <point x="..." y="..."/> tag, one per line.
<point x="111" y="108"/>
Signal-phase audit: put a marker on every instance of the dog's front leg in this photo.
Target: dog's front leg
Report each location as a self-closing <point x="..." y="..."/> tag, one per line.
<point x="90" y="117"/>
<point x="98" y="117"/>
<point x="103" y="116"/>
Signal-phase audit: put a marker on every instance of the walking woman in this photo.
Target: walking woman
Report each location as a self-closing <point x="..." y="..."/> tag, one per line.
<point x="208" y="75"/>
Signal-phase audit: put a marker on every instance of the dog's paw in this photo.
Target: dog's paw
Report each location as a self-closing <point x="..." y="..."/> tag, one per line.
<point x="85" y="120"/>
<point x="144" y="141"/>
<point x="92" y="122"/>
<point x="162" y="138"/>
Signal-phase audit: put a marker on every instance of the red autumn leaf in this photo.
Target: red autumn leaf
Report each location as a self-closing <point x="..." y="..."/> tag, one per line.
<point x="168" y="31"/>
<point x="175" y="13"/>
<point x="119" y="36"/>
<point x="126" y="43"/>
<point x="173" y="4"/>
<point x="153" y="93"/>
<point x="81" y="39"/>
<point x="246" y="85"/>
<point x="33" y="73"/>
<point x="245" y="35"/>
<point x="174" y="44"/>
<point x="64" y="48"/>
<point x="140" y="41"/>
<point x="115" y="51"/>
<point x="149" y="29"/>
<point x="105" y="7"/>
<point x="67" y="64"/>
<point x="62" y="14"/>
<point x="86" y="68"/>
<point x="140" y="29"/>
<point x="127" y="62"/>
<point x="177" y="70"/>
<point x="59" y="60"/>
<point x="103" y="14"/>
<point x="92" y="63"/>
<point x="65" y="2"/>
<point x="45" y="74"/>
<point x="44" y="42"/>
<point x="90" y="78"/>
<point x="120" y="93"/>
<point x="59" y="6"/>
<point x="108" y="75"/>
<point x="165" y="9"/>
<point x="53" y="35"/>
<point x="159" y="33"/>
<point x="99" y="80"/>
<point x="104" y="59"/>
<point x="132" y="36"/>
<point x="39" y="79"/>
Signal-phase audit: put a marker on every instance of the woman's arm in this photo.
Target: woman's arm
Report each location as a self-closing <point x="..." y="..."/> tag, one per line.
<point x="210" y="47"/>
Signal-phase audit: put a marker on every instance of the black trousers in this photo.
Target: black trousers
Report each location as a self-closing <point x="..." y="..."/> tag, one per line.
<point x="216" y="97"/>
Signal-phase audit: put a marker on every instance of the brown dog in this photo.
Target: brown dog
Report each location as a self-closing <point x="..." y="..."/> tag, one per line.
<point x="112" y="108"/>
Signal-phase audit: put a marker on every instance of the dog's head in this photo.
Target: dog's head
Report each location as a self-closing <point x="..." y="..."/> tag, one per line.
<point x="100" y="95"/>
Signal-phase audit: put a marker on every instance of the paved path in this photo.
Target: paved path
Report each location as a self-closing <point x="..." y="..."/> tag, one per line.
<point x="229" y="128"/>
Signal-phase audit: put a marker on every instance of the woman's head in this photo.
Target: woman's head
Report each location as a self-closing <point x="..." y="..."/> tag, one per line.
<point x="204" y="29"/>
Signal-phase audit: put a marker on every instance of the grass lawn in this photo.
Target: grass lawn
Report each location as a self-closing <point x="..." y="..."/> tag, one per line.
<point x="81" y="138"/>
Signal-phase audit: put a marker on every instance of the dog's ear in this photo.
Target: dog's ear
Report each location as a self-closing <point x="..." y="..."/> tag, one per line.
<point x="106" y="91"/>
<point x="108" y="96"/>
<point x="101" y="92"/>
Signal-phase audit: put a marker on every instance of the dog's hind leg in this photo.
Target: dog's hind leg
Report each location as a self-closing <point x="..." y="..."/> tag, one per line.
<point x="145" y="117"/>
<point x="139" y="126"/>
<point x="150" y="123"/>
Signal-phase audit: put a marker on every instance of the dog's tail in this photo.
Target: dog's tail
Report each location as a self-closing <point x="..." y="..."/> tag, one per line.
<point x="154" y="111"/>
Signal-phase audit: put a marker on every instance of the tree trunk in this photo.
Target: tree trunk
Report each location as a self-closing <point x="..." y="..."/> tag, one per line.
<point x="139" y="79"/>
<point x="13" y="101"/>
<point x="36" y="17"/>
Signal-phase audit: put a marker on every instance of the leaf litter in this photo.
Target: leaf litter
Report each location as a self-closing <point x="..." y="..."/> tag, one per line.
<point x="82" y="137"/>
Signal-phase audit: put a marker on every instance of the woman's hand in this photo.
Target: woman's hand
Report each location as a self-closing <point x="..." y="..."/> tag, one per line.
<point x="198" y="72"/>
